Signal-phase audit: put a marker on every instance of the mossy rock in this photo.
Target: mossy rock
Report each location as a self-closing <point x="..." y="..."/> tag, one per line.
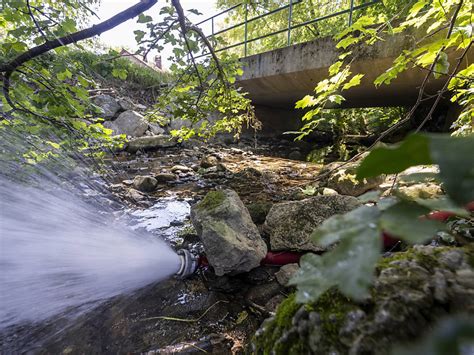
<point x="412" y="291"/>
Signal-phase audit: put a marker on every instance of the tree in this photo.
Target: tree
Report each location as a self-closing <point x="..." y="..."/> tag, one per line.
<point x="44" y="89"/>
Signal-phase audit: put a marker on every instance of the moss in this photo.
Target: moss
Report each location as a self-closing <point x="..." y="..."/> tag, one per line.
<point x="258" y="211"/>
<point x="332" y="306"/>
<point x="426" y="261"/>
<point x="212" y="200"/>
<point x="469" y="250"/>
<point x="266" y="343"/>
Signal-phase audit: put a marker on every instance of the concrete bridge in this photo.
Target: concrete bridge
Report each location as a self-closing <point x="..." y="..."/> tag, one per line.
<point x="275" y="80"/>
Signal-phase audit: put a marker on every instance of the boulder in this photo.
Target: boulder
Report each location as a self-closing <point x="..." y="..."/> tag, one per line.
<point x="130" y="123"/>
<point x="344" y="181"/>
<point x="145" y="183"/>
<point x="155" y="129"/>
<point x="108" y="105"/>
<point x="209" y="161"/>
<point x="150" y="143"/>
<point x="290" y="224"/>
<point x="126" y="104"/>
<point x="411" y="293"/>
<point x="165" y="177"/>
<point x="230" y="238"/>
<point x="421" y="190"/>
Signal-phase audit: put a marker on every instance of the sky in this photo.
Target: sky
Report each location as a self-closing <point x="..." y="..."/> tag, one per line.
<point x="122" y="35"/>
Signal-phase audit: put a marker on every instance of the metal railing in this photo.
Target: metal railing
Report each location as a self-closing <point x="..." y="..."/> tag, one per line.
<point x="288" y="29"/>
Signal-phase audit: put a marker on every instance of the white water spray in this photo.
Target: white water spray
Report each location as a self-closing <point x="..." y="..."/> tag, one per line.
<point x="59" y="253"/>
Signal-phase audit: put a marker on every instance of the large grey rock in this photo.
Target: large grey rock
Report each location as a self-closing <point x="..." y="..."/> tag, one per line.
<point x="344" y="181"/>
<point x="150" y="143"/>
<point x="231" y="240"/>
<point x="290" y="224"/>
<point x="155" y="129"/>
<point x="108" y="105"/>
<point x="130" y="123"/>
<point x="145" y="183"/>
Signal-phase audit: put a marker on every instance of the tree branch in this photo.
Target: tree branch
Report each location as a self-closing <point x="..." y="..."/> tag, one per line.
<point x="92" y="31"/>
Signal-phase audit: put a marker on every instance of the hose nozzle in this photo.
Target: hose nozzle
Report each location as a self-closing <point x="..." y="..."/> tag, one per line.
<point x="189" y="263"/>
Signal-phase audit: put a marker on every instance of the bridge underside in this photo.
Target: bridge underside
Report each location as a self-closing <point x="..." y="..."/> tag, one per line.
<point x="275" y="80"/>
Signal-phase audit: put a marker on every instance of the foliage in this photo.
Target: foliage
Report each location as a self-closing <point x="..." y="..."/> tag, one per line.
<point x="442" y="27"/>
<point x="302" y="11"/>
<point x="350" y="264"/>
<point x="203" y="94"/>
<point x="110" y="66"/>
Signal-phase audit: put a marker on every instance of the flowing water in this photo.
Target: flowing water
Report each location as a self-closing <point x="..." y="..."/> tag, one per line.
<point x="64" y="246"/>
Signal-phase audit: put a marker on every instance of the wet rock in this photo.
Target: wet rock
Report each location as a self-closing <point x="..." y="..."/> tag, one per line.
<point x="209" y="161"/>
<point x="135" y="196"/>
<point x="285" y="273"/>
<point x="344" y="181"/>
<point x="155" y="129"/>
<point x="180" y="168"/>
<point x="290" y="224"/>
<point x="130" y="123"/>
<point x="107" y="104"/>
<point x="424" y="191"/>
<point x="150" y="143"/>
<point x="145" y="183"/>
<point x="165" y="177"/>
<point x="231" y="240"/>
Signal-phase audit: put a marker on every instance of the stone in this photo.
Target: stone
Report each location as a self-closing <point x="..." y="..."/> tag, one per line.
<point x="130" y="123"/>
<point x="290" y="224"/>
<point x="108" y="106"/>
<point x="125" y="104"/>
<point x="285" y="273"/>
<point x="344" y="181"/>
<point x="421" y="190"/>
<point x="181" y="168"/>
<point x="295" y="155"/>
<point x="329" y="192"/>
<point x="414" y="296"/>
<point x="230" y="238"/>
<point x="145" y="183"/>
<point x="209" y="161"/>
<point x="150" y="143"/>
<point x="155" y="129"/>
<point x="165" y="177"/>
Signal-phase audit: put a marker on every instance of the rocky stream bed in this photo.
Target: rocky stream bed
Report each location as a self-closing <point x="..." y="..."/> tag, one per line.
<point x="239" y="312"/>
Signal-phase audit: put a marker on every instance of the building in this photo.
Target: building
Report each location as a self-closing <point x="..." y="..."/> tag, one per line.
<point x="156" y="65"/>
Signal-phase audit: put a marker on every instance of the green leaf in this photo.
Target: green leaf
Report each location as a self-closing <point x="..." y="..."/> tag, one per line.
<point x="455" y="157"/>
<point x="355" y="80"/>
<point x="338" y="227"/>
<point x="139" y="35"/>
<point x="391" y="160"/>
<point x="66" y="74"/>
<point x="442" y="204"/>
<point x="403" y="221"/>
<point x="144" y="18"/>
<point x="350" y="265"/>
<point x="306" y="101"/>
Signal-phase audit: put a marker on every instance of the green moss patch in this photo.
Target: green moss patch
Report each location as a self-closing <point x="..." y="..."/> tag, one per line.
<point x="212" y="200"/>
